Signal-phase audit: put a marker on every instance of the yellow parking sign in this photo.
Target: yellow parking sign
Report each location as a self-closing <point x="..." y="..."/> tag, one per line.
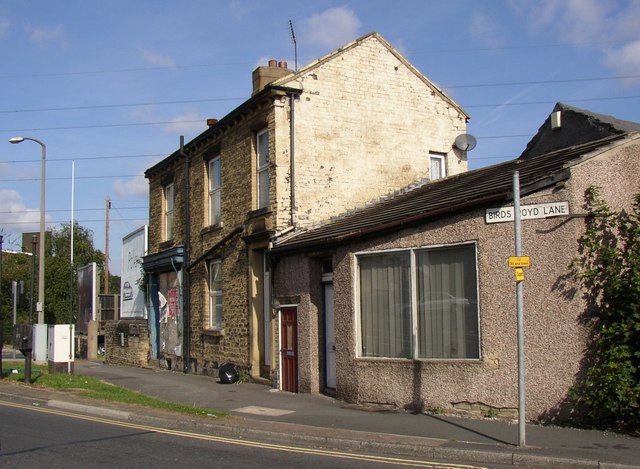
<point x="519" y="261"/>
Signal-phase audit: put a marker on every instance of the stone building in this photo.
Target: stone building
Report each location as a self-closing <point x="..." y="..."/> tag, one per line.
<point x="310" y="144"/>
<point x="411" y="302"/>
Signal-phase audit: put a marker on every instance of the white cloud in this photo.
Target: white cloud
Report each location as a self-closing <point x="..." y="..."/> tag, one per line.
<point x="576" y="21"/>
<point x="43" y="36"/>
<point x="154" y="58"/>
<point x="586" y="23"/>
<point x="5" y="25"/>
<point x="16" y="217"/>
<point x="484" y="29"/>
<point x="332" y="28"/>
<point x="136" y="187"/>
<point x="239" y="9"/>
<point x="627" y="20"/>
<point x="186" y="124"/>
<point x="625" y="59"/>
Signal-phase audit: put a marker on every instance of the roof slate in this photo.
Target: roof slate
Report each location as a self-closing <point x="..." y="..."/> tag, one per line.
<point x="473" y="189"/>
<point x="578" y="126"/>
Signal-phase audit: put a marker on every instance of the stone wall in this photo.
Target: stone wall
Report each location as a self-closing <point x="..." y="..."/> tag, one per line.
<point x="127" y="342"/>
<point x="365" y="124"/>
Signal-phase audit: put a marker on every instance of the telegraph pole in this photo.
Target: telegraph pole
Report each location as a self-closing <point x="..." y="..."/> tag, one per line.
<point x="106" y="250"/>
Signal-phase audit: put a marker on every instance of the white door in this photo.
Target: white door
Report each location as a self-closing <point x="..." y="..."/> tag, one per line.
<point x="329" y="337"/>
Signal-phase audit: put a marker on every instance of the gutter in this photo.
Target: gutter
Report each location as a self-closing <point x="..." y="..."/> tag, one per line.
<point x="222" y="123"/>
<point x="186" y="284"/>
<point x="379" y="229"/>
<point x="292" y="153"/>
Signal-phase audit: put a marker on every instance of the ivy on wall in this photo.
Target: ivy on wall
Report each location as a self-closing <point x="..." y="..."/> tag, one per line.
<point x="609" y="269"/>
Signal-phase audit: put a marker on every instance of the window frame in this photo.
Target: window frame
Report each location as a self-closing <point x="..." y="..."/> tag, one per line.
<point x="214" y="195"/>
<point x="414" y="301"/>
<point x="168" y="192"/>
<point x="442" y="158"/>
<point x="262" y="168"/>
<point x="215" y="319"/>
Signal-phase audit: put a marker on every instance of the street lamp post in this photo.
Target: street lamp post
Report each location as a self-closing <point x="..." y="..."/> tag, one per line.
<point x="40" y="305"/>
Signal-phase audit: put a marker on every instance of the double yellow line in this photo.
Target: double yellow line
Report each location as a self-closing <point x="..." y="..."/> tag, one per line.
<point x="247" y="443"/>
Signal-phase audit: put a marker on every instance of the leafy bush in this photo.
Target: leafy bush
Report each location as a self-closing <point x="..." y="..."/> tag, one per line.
<point x="609" y="269"/>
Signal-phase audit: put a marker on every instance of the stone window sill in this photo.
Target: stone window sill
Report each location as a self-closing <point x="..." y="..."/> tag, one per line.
<point x="166" y="244"/>
<point x="211" y="228"/>
<point x="259" y="212"/>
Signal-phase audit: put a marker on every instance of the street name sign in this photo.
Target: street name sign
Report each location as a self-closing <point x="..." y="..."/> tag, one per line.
<point x="527" y="212"/>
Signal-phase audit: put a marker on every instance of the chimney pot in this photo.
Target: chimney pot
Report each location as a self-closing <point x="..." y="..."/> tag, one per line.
<point x="212" y="122"/>
<point x="282" y="64"/>
<point x="273" y="63"/>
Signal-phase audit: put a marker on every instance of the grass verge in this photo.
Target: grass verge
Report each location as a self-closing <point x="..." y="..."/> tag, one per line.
<point x="94" y="388"/>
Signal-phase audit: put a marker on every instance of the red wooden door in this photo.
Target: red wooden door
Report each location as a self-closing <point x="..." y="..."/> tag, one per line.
<point x="289" y="351"/>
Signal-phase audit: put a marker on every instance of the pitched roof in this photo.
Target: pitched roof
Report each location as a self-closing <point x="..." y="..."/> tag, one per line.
<point x="289" y="79"/>
<point x="431" y="200"/>
<point x="288" y="85"/>
<point x="578" y="126"/>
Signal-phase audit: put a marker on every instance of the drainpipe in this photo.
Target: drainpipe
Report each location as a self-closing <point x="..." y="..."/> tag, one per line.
<point x="292" y="168"/>
<point x="186" y="288"/>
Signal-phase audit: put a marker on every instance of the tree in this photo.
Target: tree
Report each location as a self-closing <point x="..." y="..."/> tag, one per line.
<point x="609" y="269"/>
<point x="60" y="277"/>
<point x="15" y="266"/>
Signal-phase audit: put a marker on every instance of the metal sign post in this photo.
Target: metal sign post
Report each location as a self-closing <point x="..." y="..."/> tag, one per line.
<point x="518" y="239"/>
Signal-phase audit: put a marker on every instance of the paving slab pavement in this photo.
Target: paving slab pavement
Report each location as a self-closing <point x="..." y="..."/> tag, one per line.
<point x="322" y="419"/>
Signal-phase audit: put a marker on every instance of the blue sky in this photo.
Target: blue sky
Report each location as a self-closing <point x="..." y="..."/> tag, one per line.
<point x="112" y="85"/>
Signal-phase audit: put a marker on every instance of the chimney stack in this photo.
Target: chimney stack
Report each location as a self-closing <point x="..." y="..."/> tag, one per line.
<point x="212" y="122"/>
<point x="264" y="75"/>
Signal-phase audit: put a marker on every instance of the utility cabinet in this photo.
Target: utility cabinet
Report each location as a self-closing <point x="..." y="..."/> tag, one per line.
<point x="61" y="348"/>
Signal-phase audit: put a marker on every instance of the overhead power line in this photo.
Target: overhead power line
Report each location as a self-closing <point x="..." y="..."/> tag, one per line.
<point x="134" y="124"/>
<point x="77" y="177"/>
<point x="59" y="222"/>
<point x="543" y="82"/>
<point x="75" y="158"/>
<point x="107" y="106"/>
<point x="204" y="100"/>
<point x="76" y="210"/>
<point x="228" y="64"/>
<point x="99" y="126"/>
<point x="528" y="103"/>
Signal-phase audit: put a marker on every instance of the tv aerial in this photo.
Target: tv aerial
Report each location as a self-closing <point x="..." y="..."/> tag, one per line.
<point x="465" y="142"/>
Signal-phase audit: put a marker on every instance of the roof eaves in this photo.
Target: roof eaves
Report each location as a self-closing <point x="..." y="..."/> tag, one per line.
<point x="267" y="92"/>
<point x="472" y="189"/>
<point x="328" y="242"/>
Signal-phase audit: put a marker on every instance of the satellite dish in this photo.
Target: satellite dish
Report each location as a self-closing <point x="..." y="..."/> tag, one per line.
<point x="465" y="142"/>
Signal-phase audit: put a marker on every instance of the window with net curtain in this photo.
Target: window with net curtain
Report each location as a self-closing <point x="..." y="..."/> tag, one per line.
<point x="442" y="308"/>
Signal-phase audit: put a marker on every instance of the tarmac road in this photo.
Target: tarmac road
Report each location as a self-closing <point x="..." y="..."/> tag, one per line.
<point x="319" y="420"/>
